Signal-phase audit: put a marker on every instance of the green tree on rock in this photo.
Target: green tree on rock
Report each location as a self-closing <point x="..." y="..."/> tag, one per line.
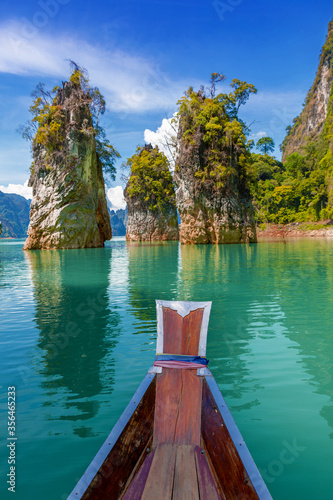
<point x="239" y="96"/>
<point x="214" y="79"/>
<point x="210" y="121"/>
<point x="150" y="179"/>
<point x="265" y="145"/>
<point x="50" y="126"/>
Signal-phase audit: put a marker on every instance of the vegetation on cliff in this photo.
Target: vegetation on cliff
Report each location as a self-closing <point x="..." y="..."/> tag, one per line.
<point x="212" y="165"/>
<point x="301" y="188"/>
<point x="150" y="196"/>
<point x="211" y="122"/>
<point x="150" y="179"/>
<point x="49" y="123"/>
<point x="70" y="152"/>
<point x="308" y="126"/>
<point x="265" y="145"/>
<point x="291" y="192"/>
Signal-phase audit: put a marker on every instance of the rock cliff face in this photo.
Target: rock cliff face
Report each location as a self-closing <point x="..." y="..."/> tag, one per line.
<point x="147" y="225"/>
<point x="309" y="125"/>
<point x="207" y="216"/>
<point x="150" y="197"/>
<point x="211" y="214"/>
<point x="68" y="208"/>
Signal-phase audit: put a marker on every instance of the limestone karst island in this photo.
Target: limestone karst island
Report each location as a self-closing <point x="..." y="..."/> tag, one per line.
<point x="68" y="208"/>
<point x="218" y="186"/>
<point x="166" y="250"/>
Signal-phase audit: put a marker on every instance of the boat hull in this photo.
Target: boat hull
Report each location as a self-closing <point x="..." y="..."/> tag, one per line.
<point x="121" y="468"/>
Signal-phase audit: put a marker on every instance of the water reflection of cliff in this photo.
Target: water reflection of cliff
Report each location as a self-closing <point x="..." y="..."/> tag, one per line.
<point x="215" y="273"/>
<point x="199" y="273"/>
<point x="303" y="274"/>
<point x="77" y="328"/>
<point x="153" y="274"/>
<point x="264" y="293"/>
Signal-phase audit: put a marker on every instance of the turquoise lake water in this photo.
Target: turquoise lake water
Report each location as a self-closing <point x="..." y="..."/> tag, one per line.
<point x="78" y="332"/>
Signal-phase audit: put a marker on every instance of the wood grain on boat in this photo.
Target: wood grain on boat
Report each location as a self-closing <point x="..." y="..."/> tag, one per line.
<point x="181" y="335"/>
<point x="178" y="407"/>
<point x="207" y="486"/>
<point x="112" y="476"/>
<point x="176" y="440"/>
<point x="185" y="486"/>
<point x="230" y="470"/>
<point x="159" y="484"/>
<point x="137" y="486"/>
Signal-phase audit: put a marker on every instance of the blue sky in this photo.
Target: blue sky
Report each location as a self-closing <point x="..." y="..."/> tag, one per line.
<point x="144" y="54"/>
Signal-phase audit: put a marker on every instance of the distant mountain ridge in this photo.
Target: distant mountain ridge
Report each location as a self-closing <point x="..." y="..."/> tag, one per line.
<point x="14" y="215"/>
<point x="118" y="219"/>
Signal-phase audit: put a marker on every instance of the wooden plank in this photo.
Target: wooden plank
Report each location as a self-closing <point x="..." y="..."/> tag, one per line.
<point x="112" y="476"/>
<point x="173" y="326"/>
<point x="185" y="485"/>
<point x="181" y="335"/>
<point x="183" y="309"/>
<point x="242" y="450"/>
<point x="167" y="402"/>
<point x="229" y="468"/>
<point x="137" y="486"/>
<point x="207" y="486"/>
<point x="188" y="423"/>
<point x="178" y="407"/>
<point x="179" y="392"/>
<point x="191" y="332"/>
<point x="159" y="483"/>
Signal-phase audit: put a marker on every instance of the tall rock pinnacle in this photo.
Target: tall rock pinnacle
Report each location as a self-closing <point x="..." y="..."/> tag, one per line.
<point x="68" y="208"/>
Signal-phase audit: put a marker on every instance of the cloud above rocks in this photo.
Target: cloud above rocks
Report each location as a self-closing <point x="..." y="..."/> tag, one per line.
<point x="130" y="83"/>
<point x="116" y="198"/>
<point x="21" y="189"/>
<point x="258" y="135"/>
<point x="164" y="138"/>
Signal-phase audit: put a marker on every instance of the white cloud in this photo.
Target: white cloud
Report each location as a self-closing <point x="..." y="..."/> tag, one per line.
<point x="130" y="83"/>
<point x="21" y="189"/>
<point x="258" y="135"/>
<point x="164" y="138"/>
<point x="116" y="198"/>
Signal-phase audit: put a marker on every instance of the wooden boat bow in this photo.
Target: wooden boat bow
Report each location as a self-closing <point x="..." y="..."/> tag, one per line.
<point x="176" y="439"/>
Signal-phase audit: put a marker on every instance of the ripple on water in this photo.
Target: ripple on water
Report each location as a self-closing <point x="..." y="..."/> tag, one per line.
<point x="269" y="347"/>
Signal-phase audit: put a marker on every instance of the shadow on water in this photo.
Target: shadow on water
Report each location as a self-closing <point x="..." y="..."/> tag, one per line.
<point x="77" y="326"/>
